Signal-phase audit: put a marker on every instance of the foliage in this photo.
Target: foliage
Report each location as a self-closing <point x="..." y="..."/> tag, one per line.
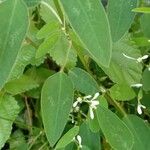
<point x="74" y="74"/>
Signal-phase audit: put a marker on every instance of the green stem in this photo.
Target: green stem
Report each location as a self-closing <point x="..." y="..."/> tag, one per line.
<point x="58" y="9"/>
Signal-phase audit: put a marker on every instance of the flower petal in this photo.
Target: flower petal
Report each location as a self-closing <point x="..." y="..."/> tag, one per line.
<point x="91" y="113"/>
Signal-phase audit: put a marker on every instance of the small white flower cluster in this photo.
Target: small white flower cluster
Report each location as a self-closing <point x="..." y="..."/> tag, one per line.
<point x="140" y="59"/>
<point x="139" y="108"/>
<point x="92" y="101"/>
<point x="78" y="139"/>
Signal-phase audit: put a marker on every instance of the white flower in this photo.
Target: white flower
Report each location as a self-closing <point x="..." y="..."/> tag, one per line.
<point x="79" y="139"/>
<point x="79" y="100"/>
<point x="139" y="108"/>
<point x="142" y="58"/>
<point x="138" y="85"/>
<point x="137" y="59"/>
<point x="90" y="100"/>
<point x="93" y="105"/>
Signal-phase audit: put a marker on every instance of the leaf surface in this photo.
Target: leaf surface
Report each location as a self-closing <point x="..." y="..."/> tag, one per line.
<point x="67" y="138"/>
<point x="83" y="81"/>
<point x="122" y="69"/>
<point x="56" y="103"/>
<point x="13" y="31"/>
<point x="120" y="17"/>
<point x="89" y="20"/>
<point x="9" y="110"/>
<point x="140" y="130"/>
<point x="115" y="131"/>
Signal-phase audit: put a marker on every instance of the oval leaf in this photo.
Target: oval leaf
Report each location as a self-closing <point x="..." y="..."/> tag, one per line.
<point x="115" y="131"/>
<point x="90" y="23"/>
<point x="67" y="138"/>
<point x="56" y="103"/>
<point x="120" y="17"/>
<point x="83" y="81"/>
<point x="140" y="130"/>
<point x="13" y="30"/>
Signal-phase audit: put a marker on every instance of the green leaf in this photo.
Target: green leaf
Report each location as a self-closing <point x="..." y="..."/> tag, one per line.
<point x="31" y="3"/>
<point x="89" y="20"/>
<point x="56" y="105"/>
<point x="9" y="110"/>
<point x="115" y="131"/>
<point x="83" y="81"/>
<point x="142" y="10"/>
<point x="13" y="30"/>
<point x="89" y="139"/>
<point x="124" y="70"/>
<point x="63" y="53"/>
<point x="120" y="17"/>
<point x="122" y="92"/>
<point x="140" y="130"/>
<point x="145" y="24"/>
<point x="21" y="85"/>
<point x="47" y="45"/>
<point x="67" y="138"/>
<point x="24" y="57"/>
<point x="48" y="29"/>
<point x="39" y="74"/>
<point x="46" y="13"/>
<point x="146" y="80"/>
<point x="17" y="141"/>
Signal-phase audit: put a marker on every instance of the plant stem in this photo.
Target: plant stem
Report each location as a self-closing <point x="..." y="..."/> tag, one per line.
<point x="29" y="114"/>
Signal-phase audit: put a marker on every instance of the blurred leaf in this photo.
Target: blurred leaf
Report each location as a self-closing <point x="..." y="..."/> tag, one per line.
<point x="146" y="80"/>
<point x="9" y="110"/>
<point x="140" y="130"/>
<point x="13" y="30"/>
<point x="39" y="75"/>
<point x="21" y="85"/>
<point x="17" y="141"/>
<point x="56" y="105"/>
<point x="89" y="20"/>
<point x="67" y="138"/>
<point x="32" y="3"/>
<point x="145" y="24"/>
<point x="142" y="10"/>
<point x="83" y="81"/>
<point x="46" y="13"/>
<point x="89" y="139"/>
<point x="120" y="17"/>
<point x="48" y="29"/>
<point x="117" y="134"/>
<point x="122" y="92"/>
